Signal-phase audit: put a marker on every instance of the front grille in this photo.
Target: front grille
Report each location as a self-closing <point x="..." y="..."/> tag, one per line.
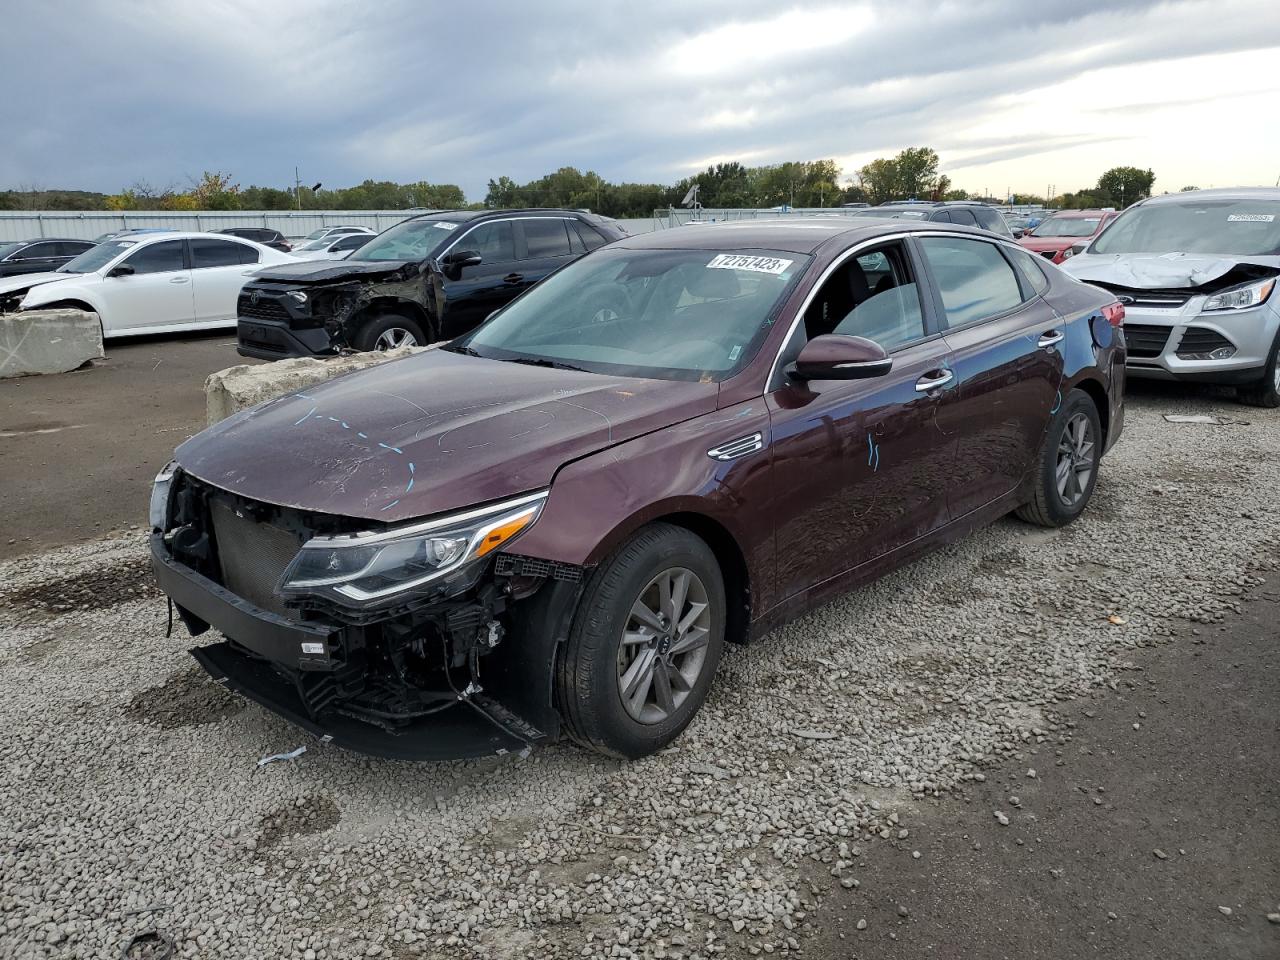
<point x="251" y="555"/>
<point x="1145" y="340"/>
<point x="263" y="345"/>
<point x="1201" y="340"/>
<point x="1147" y="299"/>
<point x="263" y="309"/>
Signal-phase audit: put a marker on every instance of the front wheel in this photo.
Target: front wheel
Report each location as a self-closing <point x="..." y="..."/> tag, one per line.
<point x="389" y="331"/>
<point x="1068" y="464"/>
<point x="645" y="644"/>
<point x="1266" y="392"/>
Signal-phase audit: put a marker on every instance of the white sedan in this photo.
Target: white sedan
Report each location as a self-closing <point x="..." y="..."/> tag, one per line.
<point x="331" y="248"/>
<point x="149" y="283"/>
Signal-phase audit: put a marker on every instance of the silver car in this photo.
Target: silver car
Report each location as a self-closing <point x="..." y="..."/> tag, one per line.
<point x="1197" y="273"/>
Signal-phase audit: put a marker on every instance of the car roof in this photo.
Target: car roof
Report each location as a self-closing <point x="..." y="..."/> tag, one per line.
<point x="796" y="235"/>
<point x="1219" y="193"/>
<point x="150" y="236"/>
<point x="47" y="239"/>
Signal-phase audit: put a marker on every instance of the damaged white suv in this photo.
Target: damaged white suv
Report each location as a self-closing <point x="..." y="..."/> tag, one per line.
<point x="1196" y="273"/>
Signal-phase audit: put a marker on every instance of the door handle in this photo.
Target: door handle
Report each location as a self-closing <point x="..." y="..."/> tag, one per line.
<point x="513" y="278"/>
<point x="1049" y="338"/>
<point x="180" y="280"/>
<point x="940" y="379"/>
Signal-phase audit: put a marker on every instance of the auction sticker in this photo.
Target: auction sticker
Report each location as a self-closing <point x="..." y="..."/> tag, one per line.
<point x="736" y="261"/>
<point x="443" y="225"/>
<point x="1251" y="217"/>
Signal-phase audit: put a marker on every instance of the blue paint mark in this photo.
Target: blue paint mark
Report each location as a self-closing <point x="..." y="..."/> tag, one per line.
<point x="1056" y="404"/>
<point x="335" y="419"/>
<point x="344" y="425"/>
<point x="411" y="466"/>
<point x="308" y="413"/>
<point x="877" y="466"/>
<point x="410" y="486"/>
<point x="362" y="436"/>
<point x="390" y="505"/>
<point x="387" y="446"/>
<point x="871" y="448"/>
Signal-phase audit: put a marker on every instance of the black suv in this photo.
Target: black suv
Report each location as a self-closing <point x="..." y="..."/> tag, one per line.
<point x="428" y="278"/>
<point x="968" y="212"/>
<point x="263" y="235"/>
<point x="38" y="256"/>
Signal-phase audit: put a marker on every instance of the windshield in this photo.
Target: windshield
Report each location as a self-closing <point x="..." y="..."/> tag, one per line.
<point x="1067" y="227"/>
<point x="892" y="214"/>
<point x="315" y="244"/>
<point x="410" y="240"/>
<point x="663" y="314"/>
<point x="1224" y="227"/>
<point x="317" y="234"/>
<point x="97" y="257"/>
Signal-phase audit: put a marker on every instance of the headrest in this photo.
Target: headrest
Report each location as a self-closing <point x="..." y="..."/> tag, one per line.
<point x="713" y="284"/>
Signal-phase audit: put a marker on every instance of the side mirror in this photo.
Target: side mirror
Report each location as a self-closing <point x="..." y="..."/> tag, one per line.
<point x="452" y="263"/>
<point x="837" y="357"/>
<point x="124" y="270"/>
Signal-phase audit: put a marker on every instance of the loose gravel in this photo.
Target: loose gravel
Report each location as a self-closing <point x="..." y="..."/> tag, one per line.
<point x="132" y="799"/>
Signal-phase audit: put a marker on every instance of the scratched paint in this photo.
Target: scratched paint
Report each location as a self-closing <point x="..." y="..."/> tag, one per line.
<point x="312" y="415"/>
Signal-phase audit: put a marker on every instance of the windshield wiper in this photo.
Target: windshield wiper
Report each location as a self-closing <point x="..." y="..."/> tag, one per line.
<point x="461" y="349"/>
<point x="544" y="362"/>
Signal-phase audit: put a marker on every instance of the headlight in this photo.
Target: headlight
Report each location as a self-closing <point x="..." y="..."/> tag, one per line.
<point x="367" y="568"/>
<point x="1240" y="298"/>
<point x="160" y="497"/>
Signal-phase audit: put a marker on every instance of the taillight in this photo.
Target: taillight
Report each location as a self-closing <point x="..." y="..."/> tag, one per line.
<point x="1114" y="314"/>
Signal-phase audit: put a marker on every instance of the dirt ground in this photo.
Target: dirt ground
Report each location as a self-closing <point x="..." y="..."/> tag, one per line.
<point x="1161" y="808"/>
<point x="80" y="449"/>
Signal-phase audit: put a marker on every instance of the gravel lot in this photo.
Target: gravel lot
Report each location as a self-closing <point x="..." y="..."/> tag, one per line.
<point x="132" y="797"/>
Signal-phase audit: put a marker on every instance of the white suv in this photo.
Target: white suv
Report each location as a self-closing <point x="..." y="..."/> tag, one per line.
<point x="1197" y="273"/>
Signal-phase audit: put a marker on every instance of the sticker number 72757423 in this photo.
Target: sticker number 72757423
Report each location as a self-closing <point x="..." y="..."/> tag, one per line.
<point x="737" y="261"/>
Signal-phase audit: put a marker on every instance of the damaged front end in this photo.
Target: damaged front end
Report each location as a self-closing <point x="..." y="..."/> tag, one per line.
<point x="417" y="642"/>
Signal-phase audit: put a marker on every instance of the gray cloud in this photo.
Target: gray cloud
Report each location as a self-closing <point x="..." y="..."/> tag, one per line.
<point x="149" y="90"/>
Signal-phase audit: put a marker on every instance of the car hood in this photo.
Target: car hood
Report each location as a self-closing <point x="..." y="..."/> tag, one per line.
<point x="431" y="433"/>
<point x="329" y="271"/>
<point x="1039" y="244"/>
<point x="24" y="281"/>
<point x="1170" y="271"/>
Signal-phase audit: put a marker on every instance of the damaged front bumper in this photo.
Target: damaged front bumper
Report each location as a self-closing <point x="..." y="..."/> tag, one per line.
<point x="1178" y="342"/>
<point x="454" y="677"/>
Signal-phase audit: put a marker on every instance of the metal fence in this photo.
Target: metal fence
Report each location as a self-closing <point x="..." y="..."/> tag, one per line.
<point x="673" y="217"/>
<point x="87" y="225"/>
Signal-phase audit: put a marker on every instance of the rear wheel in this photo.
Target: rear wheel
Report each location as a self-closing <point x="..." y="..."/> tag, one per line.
<point x="389" y="331"/>
<point x="1068" y="467"/>
<point x="1266" y="392"/>
<point x="644" y="645"/>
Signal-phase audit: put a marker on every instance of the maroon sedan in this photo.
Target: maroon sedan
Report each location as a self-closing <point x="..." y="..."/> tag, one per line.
<point x="552" y="525"/>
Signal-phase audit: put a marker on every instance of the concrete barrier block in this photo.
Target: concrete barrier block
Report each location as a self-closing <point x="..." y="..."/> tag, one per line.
<point x="48" y="341"/>
<point x="236" y="388"/>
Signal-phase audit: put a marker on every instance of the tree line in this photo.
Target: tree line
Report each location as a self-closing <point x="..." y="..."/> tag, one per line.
<point x="911" y="174"/>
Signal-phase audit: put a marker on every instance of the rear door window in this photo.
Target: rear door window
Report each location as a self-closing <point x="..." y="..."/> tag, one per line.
<point x="545" y="238"/>
<point x="220" y="253"/>
<point x="158" y="258"/>
<point x="73" y="248"/>
<point x="39" y="251"/>
<point x="974" y="279"/>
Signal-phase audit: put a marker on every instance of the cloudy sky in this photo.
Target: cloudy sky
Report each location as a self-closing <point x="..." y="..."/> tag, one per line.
<point x="1013" y="95"/>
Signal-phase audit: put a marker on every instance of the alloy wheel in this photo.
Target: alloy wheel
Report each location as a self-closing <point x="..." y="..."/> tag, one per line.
<point x="1075" y="459"/>
<point x="664" y="645"/>
<point x="1275" y="376"/>
<point x="394" y="337"/>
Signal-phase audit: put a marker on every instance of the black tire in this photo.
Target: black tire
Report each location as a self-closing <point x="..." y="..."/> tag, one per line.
<point x="1048" y="506"/>
<point x="588" y="685"/>
<point x="369" y="333"/>
<point x="1266" y="392"/>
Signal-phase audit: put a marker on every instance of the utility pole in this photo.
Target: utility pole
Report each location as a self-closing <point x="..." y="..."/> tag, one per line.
<point x="297" y="188"/>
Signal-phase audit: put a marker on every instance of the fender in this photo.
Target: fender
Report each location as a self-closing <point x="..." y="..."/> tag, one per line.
<point x="660" y="474"/>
